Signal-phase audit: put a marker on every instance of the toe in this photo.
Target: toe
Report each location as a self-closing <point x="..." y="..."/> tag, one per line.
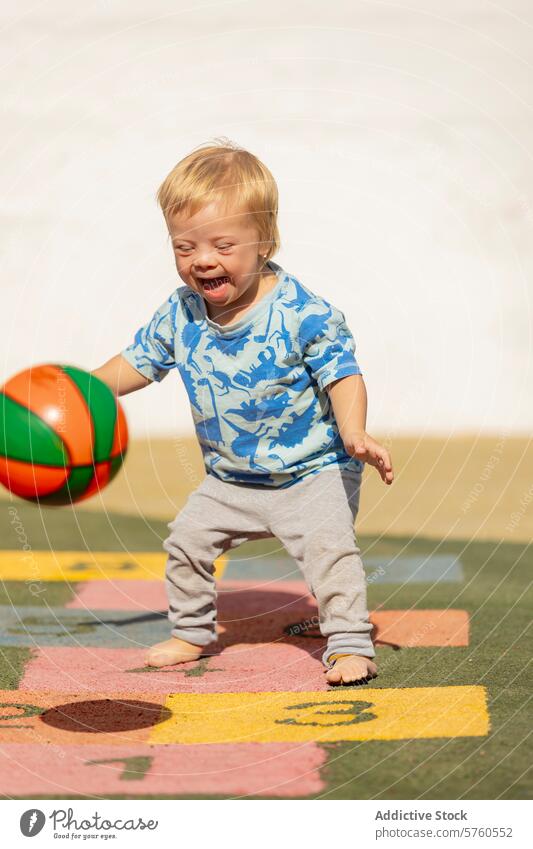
<point x="357" y="671"/>
<point x="154" y="660"/>
<point x="158" y="657"/>
<point x="352" y="671"/>
<point x="151" y="661"/>
<point x="350" y="676"/>
<point x="333" y="675"/>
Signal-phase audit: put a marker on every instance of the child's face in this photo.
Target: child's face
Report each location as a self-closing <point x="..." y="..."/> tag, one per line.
<point x="218" y="255"/>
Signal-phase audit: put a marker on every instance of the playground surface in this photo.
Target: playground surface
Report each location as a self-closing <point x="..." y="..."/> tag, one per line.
<point x="82" y="595"/>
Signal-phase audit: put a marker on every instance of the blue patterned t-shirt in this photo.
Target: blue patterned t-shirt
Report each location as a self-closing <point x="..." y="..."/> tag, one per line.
<point x="257" y="386"/>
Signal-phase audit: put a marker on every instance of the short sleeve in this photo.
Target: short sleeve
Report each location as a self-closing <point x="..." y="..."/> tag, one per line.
<point x="152" y="349"/>
<point x="328" y="347"/>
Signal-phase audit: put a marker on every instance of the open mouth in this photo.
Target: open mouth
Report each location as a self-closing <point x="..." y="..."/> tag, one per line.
<point x="214" y="283"/>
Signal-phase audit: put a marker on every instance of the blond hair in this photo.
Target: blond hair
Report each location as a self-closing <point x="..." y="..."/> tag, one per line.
<point x="223" y="172"/>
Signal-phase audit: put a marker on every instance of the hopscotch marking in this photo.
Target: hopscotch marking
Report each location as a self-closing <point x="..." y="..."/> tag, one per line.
<point x="430" y="568"/>
<point x="74" y="566"/>
<point x="287" y="770"/>
<point x="344" y="714"/>
<point x="242" y="718"/>
<point x="339" y="715"/>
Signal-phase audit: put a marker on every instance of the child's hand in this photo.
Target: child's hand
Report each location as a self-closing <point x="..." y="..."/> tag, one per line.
<point x="365" y="448"/>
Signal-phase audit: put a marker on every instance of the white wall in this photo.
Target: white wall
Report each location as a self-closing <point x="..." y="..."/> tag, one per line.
<point x="401" y="141"/>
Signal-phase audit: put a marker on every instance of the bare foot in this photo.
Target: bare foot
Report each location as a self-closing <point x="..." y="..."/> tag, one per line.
<point x="351" y="669"/>
<point x="172" y="651"/>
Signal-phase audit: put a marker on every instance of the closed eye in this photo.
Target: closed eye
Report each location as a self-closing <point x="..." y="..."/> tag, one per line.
<point x="189" y="248"/>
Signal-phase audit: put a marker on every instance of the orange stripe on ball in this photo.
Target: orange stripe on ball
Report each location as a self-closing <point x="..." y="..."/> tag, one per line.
<point x="120" y="437"/>
<point x="28" y="480"/>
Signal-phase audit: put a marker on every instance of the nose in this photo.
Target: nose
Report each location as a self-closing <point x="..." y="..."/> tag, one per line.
<point x="204" y="259"/>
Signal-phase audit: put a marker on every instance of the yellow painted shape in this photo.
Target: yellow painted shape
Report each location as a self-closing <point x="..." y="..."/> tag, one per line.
<point x="331" y="715"/>
<point x="74" y="566"/>
<point x="220" y="566"/>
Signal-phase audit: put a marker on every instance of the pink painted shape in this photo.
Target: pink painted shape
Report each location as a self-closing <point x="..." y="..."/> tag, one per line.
<point x="239" y="668"/>
<point x="244" y="769"/>
<point x="120" y="595"/>
<point x="151" y="595"/>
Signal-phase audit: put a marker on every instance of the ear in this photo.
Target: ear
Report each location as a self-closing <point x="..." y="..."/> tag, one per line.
<point x="262" y="252"/>
<point x="262" y="249"/>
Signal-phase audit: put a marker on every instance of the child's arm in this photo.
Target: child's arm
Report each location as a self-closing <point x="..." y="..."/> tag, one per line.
<point x="328" y="350"/>
<point x="349" y="401"/>
<point x="120" y="376"/>
<point x="148" y="358"/>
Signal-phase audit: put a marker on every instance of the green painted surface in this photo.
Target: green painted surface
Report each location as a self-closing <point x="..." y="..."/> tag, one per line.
<point x="70" y="529"/>
<point x="36" y="593"/>
<point x="12" y="663"/>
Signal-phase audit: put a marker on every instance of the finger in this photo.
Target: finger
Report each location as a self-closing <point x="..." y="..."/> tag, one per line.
<point x="386" y="475"/>
<point x="387" y="459"/>
<point x="389" y="470"/>
<point x="380" y="470"/>
<point x="384" y="456"/>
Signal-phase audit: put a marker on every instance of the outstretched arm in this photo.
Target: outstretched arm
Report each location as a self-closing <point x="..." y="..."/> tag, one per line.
<point x="349" y="401"/>
<point x="120" y="376"/>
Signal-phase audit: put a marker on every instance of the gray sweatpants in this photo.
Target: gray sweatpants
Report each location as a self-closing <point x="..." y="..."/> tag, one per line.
<point x="314" y="521"/>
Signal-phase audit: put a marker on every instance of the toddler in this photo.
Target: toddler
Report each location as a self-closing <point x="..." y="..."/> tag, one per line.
<point x="278" y="403"/>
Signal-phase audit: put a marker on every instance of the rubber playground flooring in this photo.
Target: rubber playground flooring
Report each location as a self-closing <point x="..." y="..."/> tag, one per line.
<point x="81" y="717"/>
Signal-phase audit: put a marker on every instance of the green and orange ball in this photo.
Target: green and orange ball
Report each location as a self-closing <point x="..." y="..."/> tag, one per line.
<point x="63" y="434"/>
